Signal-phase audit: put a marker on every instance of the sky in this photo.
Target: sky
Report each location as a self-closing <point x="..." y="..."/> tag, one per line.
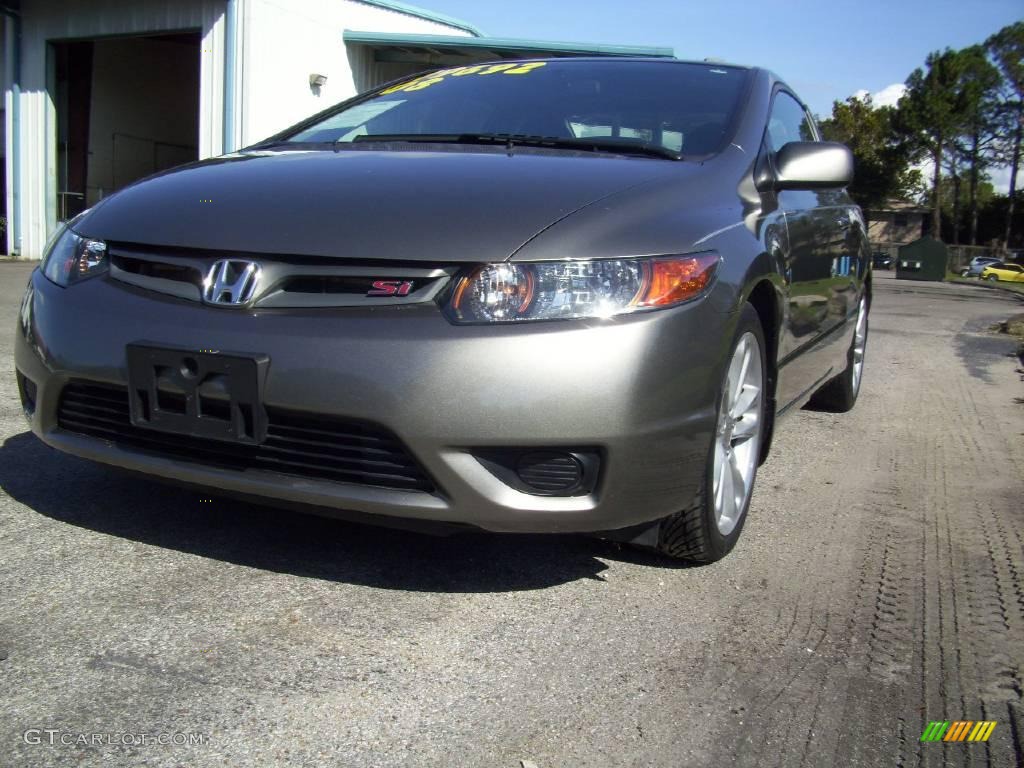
<point x="826" y="50"/>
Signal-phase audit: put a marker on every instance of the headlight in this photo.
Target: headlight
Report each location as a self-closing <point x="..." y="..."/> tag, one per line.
<point x="71" y="258"/>
<point x="552" y="290"/>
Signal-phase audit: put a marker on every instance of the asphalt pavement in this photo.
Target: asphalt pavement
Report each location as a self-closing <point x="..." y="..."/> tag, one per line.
<point x="878" y="586"/>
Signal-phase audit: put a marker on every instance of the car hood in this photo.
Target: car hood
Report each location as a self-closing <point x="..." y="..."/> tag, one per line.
<point x="439" y="205"/>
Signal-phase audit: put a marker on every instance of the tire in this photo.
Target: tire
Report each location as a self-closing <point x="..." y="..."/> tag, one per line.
<point x="993" y="278"/>
<point x="840" y="394"/>
<point x="695" y="534"/>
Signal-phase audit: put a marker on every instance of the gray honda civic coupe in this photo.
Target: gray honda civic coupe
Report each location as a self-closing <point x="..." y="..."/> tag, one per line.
<point x="557" y="295"/>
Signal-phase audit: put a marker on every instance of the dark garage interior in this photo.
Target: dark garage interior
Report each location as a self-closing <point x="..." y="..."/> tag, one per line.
<point x="127" y="107"/>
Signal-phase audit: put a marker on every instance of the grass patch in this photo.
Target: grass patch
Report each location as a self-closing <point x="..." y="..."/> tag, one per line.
<point x="955" y="278"/>
<point x="1014" y="327"/>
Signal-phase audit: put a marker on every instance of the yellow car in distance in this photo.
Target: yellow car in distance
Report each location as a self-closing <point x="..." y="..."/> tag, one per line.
<point x="1011" y="273"/>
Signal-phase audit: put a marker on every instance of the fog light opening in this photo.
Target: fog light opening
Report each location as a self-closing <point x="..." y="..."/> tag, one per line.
<point x="544" y="471"/>
<point x="27" y="392"/>
<point x="550" y="472"/>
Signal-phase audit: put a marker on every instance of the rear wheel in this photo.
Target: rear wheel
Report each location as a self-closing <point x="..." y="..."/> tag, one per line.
<point x="709" y="528"/>
<point x="840" y="394"/>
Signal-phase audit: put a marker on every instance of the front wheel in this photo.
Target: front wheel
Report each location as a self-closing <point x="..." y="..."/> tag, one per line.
<point x="992" y="278"/>
<point x="709" y="528"/>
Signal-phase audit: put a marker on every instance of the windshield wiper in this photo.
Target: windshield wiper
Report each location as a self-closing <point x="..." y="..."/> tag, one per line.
<point x="592" y="143"/>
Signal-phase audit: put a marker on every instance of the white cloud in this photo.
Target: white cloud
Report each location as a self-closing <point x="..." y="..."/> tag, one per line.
<point x="887" y="97"/>
<point x="1000" y="178"/>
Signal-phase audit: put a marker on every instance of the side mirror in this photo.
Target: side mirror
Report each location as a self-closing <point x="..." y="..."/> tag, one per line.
<point x="813" y="165"/>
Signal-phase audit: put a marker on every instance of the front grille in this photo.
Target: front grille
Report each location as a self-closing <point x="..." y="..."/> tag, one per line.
<point x="297" y="444"/>
<point x="163" y="271"/>
<point x="286" y="281"/>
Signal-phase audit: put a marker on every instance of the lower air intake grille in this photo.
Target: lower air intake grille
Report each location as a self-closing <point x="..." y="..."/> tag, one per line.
<point x="297" y="444"/>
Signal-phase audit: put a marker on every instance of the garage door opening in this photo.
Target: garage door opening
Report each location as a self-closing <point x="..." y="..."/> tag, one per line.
<point x="126" y="108"/>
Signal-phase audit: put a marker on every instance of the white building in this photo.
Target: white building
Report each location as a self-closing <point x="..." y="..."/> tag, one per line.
<point x="99" y="93"/>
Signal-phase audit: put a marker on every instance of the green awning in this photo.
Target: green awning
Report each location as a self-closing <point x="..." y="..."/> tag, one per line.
<point x="399" y="47"/>
<point x="423" y="13"/>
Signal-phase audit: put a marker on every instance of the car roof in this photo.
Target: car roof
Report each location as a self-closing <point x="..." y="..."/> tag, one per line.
<point x="646" y="59"/>
<point x="770" y="77"/>
<point x="636" y="60"/>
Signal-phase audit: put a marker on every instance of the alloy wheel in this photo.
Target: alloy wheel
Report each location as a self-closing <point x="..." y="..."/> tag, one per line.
<point x="860" y="343"/>
<point x="737" y="439"/>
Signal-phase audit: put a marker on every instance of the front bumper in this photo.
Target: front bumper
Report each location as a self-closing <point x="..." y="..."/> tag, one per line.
<point x="641" y="390"/>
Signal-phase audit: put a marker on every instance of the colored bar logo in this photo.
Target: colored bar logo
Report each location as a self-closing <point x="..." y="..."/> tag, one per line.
<point x="959" y="730"/>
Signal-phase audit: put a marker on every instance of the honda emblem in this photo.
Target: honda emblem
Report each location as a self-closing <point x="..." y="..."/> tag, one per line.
<point x="231" y="283"/>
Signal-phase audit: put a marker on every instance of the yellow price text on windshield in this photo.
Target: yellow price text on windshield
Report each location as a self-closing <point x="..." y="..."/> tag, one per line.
<point x="425" y="81"/>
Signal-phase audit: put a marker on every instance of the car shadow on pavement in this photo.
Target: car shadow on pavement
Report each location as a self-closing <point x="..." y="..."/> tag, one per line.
<point x="116" y="503"/>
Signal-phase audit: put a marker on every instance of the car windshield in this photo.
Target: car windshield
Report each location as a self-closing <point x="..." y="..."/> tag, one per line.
<point x="672" y="106"/>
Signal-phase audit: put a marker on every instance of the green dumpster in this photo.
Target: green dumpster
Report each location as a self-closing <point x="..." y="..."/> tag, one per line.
<point x="923" y="259"/>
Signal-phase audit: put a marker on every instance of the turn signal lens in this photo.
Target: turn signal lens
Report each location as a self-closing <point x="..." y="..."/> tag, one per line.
<point x="553" y="290"/>
<point x="677" y="279"/>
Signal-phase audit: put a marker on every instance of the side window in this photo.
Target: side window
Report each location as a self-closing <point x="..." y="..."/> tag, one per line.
<point x="788" y="122"/>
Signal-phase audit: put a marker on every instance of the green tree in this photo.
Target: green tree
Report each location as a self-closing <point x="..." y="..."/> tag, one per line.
<point x="881" y="155"/>
<point x="1007" y="50"/>
<point x="956" y="196"/>
<point x="951" y="189"/>
<point x="976" y="146"/>
<point x="932" y="113"/>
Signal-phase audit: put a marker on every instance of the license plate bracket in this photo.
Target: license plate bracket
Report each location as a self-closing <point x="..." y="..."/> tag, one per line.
<point x="198" y="393"/>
